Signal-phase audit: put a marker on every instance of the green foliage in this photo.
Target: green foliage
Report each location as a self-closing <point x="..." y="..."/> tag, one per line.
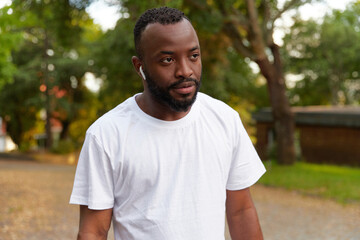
<point x="63" y="147"/>
<point x="19" y="103"/>
<point x="242" y="82"/>
<point x="112" y="55"/>
<point x="52" y="57"/>
<point x="325" y="56"/>
<point x="207" y="21"/>
<point x="61" y="35"/>
<point x="9" y="40"/>
<point x="85" y="117"/>
<point x="334" y="182"/>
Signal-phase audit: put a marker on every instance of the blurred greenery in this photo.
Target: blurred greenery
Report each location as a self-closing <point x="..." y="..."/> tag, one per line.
<point x="9" y="40"/>
<point x="49" y="66"/>
<point x="63" y="147"/>
<point x="47" y="47"/>
<point x="333" y="182"/>
<point x="325" y="57"/>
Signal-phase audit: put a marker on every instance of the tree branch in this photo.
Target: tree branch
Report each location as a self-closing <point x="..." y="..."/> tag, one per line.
<point x="230" y="29"/>
<point x="287" y="6"/>
<point x="236" y="17"/>
<point x="255" y="35"/>
<point x="267" y="30"/>
<point x="233" y="34"/>
<point x="236" y="21"/>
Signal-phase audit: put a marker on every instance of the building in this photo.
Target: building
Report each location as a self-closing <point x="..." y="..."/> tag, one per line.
<point x="326" y="134"/>
<point x="6" y="144"/>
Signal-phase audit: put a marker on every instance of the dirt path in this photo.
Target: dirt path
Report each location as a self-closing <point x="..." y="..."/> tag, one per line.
<point x="33" y="200"/>
<point x="288" y="215"/>
<point x="34" y="205"/>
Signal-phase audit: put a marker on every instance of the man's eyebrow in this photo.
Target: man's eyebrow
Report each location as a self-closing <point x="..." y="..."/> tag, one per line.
<point x="167" y="52"/>
<point x="194" y="48"/>
<point x="172" y="52"/>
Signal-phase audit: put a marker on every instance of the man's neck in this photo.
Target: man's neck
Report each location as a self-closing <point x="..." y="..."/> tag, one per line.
<point x="157" y="109"/>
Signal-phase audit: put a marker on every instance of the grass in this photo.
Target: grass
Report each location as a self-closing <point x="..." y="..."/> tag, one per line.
<point x="333" y="182"/>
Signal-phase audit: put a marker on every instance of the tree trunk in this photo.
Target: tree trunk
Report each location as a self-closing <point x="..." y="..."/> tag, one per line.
<point x="273" y="72"/>
<point x="283" y="117"/>
<point x="65" y="130"/>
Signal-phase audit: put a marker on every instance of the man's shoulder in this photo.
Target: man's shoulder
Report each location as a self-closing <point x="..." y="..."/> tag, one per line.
<point x="208" y="103"/>
<point x="116" y="117"/>
<point x="220" y="116"/>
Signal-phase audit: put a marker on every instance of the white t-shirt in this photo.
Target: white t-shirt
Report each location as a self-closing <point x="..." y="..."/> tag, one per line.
<point x="166" y="180"/>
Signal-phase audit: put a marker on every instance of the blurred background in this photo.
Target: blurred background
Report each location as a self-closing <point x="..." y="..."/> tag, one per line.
<point x="289" y="67"/>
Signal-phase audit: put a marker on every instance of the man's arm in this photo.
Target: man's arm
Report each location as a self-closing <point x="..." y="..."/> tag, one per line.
<point x="241" y="216"/>
<point x="94" y="224"/>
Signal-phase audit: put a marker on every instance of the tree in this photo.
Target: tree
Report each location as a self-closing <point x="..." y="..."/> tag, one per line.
<point x="20" y="100"/>
<point x="51" y="58"/>
<point x="53" y="24"/>
<point x="112" y="63"/>
<point x="325" y="56"/>
<point x="19" y="104"/>
<point x="9" y="39"/>
<point x="249" y="26"/>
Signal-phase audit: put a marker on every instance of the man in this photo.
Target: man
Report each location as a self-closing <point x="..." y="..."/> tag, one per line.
<point x="167" y="163"/>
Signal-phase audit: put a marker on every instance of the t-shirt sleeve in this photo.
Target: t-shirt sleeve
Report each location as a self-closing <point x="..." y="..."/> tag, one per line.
<point x="93" y="184"/>
<point x="246" y="167"/>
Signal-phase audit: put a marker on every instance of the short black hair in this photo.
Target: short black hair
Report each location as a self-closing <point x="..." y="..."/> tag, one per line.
<point x="162" y="15"/>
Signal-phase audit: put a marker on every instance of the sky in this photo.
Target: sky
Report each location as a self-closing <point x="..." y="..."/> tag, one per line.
<point x="104" y="15"/>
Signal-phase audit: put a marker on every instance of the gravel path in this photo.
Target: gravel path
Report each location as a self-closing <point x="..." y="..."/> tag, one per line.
<point x="34" y="205"/>
<point x="288" y="215"/>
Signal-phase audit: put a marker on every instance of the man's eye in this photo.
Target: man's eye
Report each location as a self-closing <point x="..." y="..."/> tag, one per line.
<point x="167" y="60"/>
<point x="195" y="56"/>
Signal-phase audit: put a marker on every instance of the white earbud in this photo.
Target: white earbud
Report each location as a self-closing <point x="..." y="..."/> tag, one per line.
<point x="142" y="73"/>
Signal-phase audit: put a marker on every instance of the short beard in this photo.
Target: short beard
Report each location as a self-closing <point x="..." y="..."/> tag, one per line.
<point x="163" y="94"/>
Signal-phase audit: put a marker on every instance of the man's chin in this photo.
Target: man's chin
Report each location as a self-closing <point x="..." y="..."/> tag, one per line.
<point x="183" y="103"/>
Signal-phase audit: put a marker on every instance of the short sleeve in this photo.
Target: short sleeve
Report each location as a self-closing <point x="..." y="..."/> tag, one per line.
<point x="93" y="184"/>
<point x="246" y="167"/>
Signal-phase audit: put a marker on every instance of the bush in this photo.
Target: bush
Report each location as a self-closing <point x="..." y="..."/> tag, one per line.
<point x="63" y="147"/>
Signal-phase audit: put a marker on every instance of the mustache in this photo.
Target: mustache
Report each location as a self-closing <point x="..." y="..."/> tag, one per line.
<point x="173" y="85"/>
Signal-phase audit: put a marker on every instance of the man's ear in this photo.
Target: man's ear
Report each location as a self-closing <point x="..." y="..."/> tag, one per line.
<point x="136" y="63"/>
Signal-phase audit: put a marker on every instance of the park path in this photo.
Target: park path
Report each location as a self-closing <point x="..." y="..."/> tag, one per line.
<point x="34" y="206"/>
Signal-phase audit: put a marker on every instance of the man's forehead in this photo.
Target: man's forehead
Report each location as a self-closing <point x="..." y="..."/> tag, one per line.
<point x="173" y="37"/>
<point x="180" y="28"/>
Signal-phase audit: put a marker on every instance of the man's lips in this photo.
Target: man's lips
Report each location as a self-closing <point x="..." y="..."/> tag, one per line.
<point x="184" y="87"/>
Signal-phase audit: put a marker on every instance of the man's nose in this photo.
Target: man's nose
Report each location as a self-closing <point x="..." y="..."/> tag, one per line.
<point x="184" y="69"/>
